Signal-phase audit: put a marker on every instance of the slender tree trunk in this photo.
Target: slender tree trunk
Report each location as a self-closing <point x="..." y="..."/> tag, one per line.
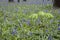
<point x="18" y="0"/>
<point x="10" y="0"/>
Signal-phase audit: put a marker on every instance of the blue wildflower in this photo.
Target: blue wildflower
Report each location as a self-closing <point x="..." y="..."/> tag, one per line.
<point x="46" y="30"/>
<point x="49" y="37"/>
<point x="28" y="22"/>
<point x="14" y="32"/>
<point x="59" y="28"/>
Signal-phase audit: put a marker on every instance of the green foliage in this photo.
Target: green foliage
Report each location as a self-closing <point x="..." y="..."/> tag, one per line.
<point x="41" y="14"/>
<point x="28" y="22"/>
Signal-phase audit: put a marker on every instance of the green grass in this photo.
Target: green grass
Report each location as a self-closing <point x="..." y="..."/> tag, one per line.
<point x="29" y="22"/>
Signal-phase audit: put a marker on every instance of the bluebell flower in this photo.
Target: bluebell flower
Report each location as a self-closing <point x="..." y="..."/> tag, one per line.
<point x="46" y="30"/>
<point x="28" y="23"/>
<point x="59" y="28"/>
<point x="14" y="32"/>
<point x="49" y="37"/>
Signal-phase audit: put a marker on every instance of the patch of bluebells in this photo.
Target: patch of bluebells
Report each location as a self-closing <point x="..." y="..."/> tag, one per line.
<point x="25" y="33"/>
<point x="37" y="2"/>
